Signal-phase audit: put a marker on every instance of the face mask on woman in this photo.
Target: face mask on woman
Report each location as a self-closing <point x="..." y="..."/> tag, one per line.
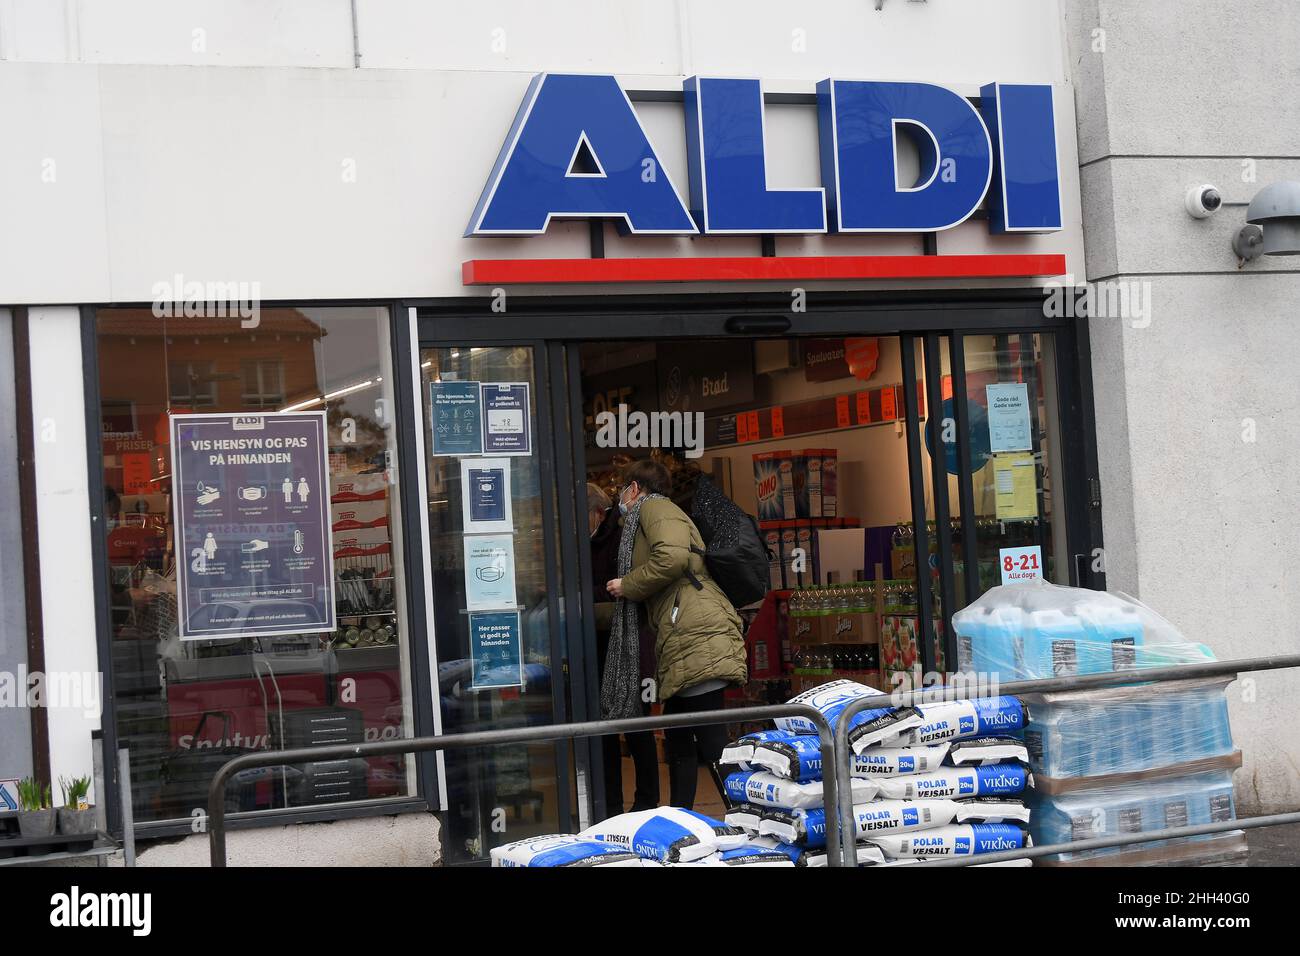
<point x="622" y="505"/>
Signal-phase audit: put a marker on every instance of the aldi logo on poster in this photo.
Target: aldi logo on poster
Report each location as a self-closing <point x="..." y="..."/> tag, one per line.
<point x="248" y="423"/>
<point x="577" y="149"/>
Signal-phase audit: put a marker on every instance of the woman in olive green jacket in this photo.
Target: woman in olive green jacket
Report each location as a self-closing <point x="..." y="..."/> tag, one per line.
<point x="699" y="645"/>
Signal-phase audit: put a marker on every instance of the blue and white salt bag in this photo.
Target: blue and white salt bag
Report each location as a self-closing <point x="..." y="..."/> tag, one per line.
<point x="667" y="834"/>
<point x="898" y="761"/>
<point x="768" y="790"/>
<point x="997" y="780"/>
<point x="562" y="849"/>
<point x="967" y="839"/>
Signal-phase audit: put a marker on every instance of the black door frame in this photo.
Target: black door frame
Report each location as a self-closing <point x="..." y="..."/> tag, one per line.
<point x="555" y="466"/>
<point x="917" y="318"/>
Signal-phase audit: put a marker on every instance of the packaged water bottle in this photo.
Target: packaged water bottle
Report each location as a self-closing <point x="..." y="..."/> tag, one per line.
<point x="1216" y="731"/>
<point x="1177" y="728"/>
<point x="1146" y="735"/>
<point x="1129" y="814"/>
<point x="1112" y="635"/>
<point x="1079" y="741"/>
<point x="1119" y="749"/>
<point x="1217" y="795"/>
<point x="1052" y="644"/>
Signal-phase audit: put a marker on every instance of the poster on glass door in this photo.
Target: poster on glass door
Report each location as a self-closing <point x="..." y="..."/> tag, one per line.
<point x="495" y="650"/>
<point x="505" y="419"/>
<point x="1009" y="428"/>
<point x="253" y="536"/>
<point x="457" y="414"/>
<point x="489" y="572"/>
<point x="485" y="495"/>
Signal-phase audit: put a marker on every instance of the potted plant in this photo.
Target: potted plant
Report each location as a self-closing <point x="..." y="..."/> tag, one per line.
<point x="76" y="816"/>
<point x="35" y="814"/>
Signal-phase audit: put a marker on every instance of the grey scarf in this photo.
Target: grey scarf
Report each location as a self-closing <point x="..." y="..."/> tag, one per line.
<point x="620" y="688"/>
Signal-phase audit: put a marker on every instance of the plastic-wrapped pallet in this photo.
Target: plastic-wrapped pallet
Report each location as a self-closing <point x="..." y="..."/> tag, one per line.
<point x="1118" y="730"/>
<point x="1118" y="760"/>
<point x="1144" y="806"/>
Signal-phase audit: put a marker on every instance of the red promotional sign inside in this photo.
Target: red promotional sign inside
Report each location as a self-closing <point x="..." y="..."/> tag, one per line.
<point x="862" y="356"/>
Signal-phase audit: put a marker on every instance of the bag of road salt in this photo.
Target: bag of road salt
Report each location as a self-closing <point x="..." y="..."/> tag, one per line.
<point x="768" y="790"/>
<point x="802" y="828"/>
<point x="958" y="719"/>
<point x="987" y="750"/>
<point x="797" y="855"/>
<point x="991" y="810"/>
<point x="883" y="816"/>
<point x="888" y="728"/>
<point x="747" y="855"/>
<point x="562" y="849"/>
<point x="667" y="834"/>
<point x="741" y="750"/>
<point x="797" y="758"/>
<point x="1003" y="779"/>
<point x="744" y="817"/>
<point x="832" y="699"/>
<point x="966" y="839"/>
<point x="898" y="761"/>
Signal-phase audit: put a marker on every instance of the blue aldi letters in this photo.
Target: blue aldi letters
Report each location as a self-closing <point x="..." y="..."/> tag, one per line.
<point x="577" y="150"/>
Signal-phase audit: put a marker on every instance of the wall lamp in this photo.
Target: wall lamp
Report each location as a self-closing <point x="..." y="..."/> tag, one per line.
<point x="1273" y="223"/>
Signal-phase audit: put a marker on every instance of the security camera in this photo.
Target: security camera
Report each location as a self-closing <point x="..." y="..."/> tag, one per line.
<point x="1203" y="201"/>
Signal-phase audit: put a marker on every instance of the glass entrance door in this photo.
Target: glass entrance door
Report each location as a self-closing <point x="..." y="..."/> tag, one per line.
<point x="499" y="589"/>
<point x="936" y="450"/>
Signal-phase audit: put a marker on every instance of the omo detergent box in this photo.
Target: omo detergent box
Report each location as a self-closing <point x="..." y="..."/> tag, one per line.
<point x="810" y="496"/>
<point x="830" y="481"/>
<point x="774" y="485"/>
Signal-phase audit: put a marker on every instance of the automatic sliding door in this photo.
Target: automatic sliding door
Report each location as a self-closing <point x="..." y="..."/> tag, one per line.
<point x="497" y="584"/>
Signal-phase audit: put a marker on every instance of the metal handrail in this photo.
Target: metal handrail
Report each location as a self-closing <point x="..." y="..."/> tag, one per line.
<point x="538" y="734"/>
<point x="1179" y="672"/>
<point x="841" y="829"/>
<point x="1101" y="843"/>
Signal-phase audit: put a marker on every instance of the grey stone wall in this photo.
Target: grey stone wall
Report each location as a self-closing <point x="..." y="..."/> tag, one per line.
<point x="1197" y="423"/>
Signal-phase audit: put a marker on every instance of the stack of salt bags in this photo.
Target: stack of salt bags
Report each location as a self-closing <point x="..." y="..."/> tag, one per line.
<point x="972" y="803"/>
<point x="948" y="769"/>
<point x="776" y="793"/>
<point x="671" y="836"/>
<point x="1115" y="760"/>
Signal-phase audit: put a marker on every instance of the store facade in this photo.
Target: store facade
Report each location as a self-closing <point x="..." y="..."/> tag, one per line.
<point x="386" y="248"/>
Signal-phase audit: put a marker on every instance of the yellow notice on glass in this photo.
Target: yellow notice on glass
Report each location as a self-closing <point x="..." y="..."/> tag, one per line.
<point x="1014" y="486"/>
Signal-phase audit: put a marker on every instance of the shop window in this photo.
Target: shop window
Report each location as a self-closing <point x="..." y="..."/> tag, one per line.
<point x="201" y="670"/>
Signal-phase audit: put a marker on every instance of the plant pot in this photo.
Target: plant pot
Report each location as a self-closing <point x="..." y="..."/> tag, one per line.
<point x="34" y="824"/>
<point x="76" y="822"/>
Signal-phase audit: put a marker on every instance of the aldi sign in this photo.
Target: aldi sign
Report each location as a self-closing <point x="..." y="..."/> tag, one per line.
<point x="577" y="149"/>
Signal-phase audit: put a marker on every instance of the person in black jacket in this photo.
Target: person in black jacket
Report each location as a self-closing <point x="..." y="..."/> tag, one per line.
<point x="605" y="529"/>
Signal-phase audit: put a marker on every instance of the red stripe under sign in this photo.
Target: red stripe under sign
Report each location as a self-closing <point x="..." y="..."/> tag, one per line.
<point x="758" y="268"/>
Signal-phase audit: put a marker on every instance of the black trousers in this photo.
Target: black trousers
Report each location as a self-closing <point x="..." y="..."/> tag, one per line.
<point x="645" y="762"/>
<point x="688" y="747"/>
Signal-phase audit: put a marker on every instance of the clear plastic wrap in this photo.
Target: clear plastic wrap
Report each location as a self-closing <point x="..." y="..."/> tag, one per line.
<point x="1140" y="807"/>
<point x="1128" y="730"/>
<point x="1037" y="630"/>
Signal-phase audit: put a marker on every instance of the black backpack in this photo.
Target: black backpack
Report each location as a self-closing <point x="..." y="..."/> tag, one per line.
<point x="734" y="551"/>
